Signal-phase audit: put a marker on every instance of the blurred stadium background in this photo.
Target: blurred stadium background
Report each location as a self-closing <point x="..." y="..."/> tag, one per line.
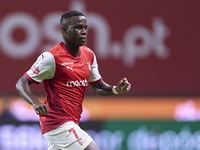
<point x="155" y="44"/>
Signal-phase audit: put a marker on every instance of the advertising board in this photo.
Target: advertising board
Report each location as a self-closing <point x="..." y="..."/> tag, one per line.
<point x="155" y="44"/>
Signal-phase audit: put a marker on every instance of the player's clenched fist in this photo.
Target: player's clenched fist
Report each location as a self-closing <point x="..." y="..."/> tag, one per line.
<point x="40" y="108"/>
<point x="123" y="86"/>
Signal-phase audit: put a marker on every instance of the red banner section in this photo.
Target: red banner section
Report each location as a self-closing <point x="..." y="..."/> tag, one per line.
<point x="154" y="44"/>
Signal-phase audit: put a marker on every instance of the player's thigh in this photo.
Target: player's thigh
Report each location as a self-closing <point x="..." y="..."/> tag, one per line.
<point x="52" y="147"/>
<point x="92" y="146"/>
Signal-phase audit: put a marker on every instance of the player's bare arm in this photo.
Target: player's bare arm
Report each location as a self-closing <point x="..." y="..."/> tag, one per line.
<point x="23" y="87"/>
<point x="104" y="89"/>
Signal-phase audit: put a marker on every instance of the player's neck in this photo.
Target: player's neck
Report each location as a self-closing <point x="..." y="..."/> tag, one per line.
<point x="73" y="49"/>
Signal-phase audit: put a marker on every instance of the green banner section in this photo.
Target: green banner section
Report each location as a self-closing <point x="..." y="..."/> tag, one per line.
<point x="110" y="135"/>
<point x="150" y="135"/>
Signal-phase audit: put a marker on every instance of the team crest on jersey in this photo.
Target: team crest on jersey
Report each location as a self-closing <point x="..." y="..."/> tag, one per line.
<point x="89" y="66"/>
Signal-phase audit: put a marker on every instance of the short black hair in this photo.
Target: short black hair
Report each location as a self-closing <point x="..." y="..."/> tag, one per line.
<point x="70" y="14"/>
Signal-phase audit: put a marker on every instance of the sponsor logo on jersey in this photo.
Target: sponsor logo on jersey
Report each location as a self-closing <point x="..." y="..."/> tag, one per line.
<point x="41" y="57"/>
<point x="69" y="65"/>
<point x="77" y="83"/>
<point x="69" y="68"/>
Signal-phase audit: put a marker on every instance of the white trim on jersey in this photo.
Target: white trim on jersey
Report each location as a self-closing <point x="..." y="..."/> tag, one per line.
<point x="43" y="68"/>
<point x="94" y="74"/>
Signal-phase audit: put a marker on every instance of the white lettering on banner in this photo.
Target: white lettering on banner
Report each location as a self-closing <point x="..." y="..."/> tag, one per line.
<point x="128" y="50"/>
<point x="145" y="140"/>
<point x="50" y="29"/>
<point x="28" y="46"/>
<point x="22" y="137"/>
<point x="29" y="137"/>
<point x="108" y="140"/>
<point x="151" y="42"/>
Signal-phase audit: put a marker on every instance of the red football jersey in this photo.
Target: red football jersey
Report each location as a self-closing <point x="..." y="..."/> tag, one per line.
<point x="65" y="79"/>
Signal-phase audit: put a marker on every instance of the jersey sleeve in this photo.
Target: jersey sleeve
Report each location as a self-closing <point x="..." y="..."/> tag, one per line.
<point x="94" y="74"/>
<point x="43" y="68"/>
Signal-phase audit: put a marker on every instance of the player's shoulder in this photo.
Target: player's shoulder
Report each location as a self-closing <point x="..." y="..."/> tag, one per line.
<point x="46" y="57"/>
<point x="87" y="50"/>
<point x="55" y="49"/>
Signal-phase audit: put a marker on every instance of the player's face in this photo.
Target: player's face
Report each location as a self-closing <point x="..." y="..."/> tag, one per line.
<point x="76" y="31"/>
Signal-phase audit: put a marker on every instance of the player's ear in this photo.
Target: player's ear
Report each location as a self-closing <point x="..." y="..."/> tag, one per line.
<point x="63" y="30"/>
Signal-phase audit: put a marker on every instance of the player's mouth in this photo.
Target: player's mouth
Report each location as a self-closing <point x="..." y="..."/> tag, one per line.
<point x="83" y="39"/>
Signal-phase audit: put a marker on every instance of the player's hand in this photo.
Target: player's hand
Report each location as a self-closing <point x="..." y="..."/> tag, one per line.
<point x="123" y="86"/>
<point x="40" y="108"/>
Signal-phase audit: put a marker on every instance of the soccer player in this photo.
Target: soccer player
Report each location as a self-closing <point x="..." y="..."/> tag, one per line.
<point x="66" y="70"/>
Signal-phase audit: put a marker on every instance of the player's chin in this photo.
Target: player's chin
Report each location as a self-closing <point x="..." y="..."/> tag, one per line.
<point x="81" y="44"/>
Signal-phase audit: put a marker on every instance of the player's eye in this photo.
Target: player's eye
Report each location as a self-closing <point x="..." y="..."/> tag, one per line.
<point x="79" y="27"/>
